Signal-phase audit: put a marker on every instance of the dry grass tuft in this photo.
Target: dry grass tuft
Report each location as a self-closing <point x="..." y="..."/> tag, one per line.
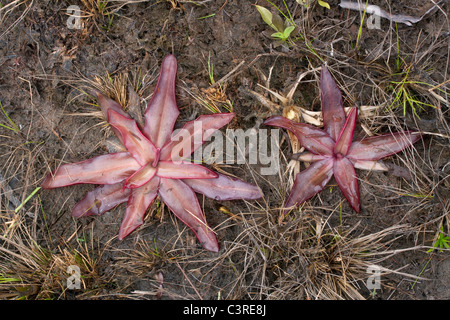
<point x="305" y="258"/>
<point x="29" y="270"/>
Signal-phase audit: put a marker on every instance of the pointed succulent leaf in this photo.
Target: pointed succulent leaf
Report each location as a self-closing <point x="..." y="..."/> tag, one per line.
<point x="193" y="134"/>
<point x="225" y="188"/>
<point x="313" y="139"/>
<point x="332" y="107"/>
<point x="107" y="104"/>
<point x="346" y="136"/>
<point x="377" y="147"/>
<point x="183" y="170"/>
<point x="140" y="177"/>
<point x="100" y="200"/>
<point x="183" y="202"/>
<point x="345" y="176"/>
<point x="105" y="169"/>
<point x="162" y="110"/>
<point x="309" y="182"/>
<point x="134" y="140"/>
<point x="140" y="199"/>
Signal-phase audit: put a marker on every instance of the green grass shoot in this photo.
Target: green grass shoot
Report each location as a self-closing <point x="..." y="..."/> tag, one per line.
<point x="20" y="206"/>
<point x="206" y="17"/>
<point x="404" y="98"/>
<point x="6" y="279"/>
<point x="13" y="126"/>
<point x="210" y="70"/>
<point x="361" y="25"/>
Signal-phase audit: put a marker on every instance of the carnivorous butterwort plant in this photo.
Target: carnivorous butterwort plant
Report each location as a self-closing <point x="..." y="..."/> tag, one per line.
<point x="153" y="164"/>
<point x="332" y="151"/>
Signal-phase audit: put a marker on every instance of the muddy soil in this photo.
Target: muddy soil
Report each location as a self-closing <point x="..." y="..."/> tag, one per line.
<point x="44" y="63"/>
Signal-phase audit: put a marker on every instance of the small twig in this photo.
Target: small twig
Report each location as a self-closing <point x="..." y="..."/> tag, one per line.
<point x="229" y="74"/>
<point x="184" y="274"/>
<point x="376" y="10"/>
<point x="439" y="85"/>
<point x="248" y="65"/>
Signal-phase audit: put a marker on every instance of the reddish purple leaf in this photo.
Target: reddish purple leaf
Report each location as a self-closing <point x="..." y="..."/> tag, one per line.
<point x="345" y="176"/>
<point x="313" y="139"/>
<point x="377" y="147"/>
<point x="183" y="170"/>
<point x="332" y="107"/>
<point x="225" y="188"/>
<point x="346" y="136"/>
<point x="106" y="169"/>
<point x="100" y="200"/>
<point x="107" y="104"/>
<point x="193" y="135"/>
<point x="138" y="203"/>
<point x="140" y="177"/>
<point x="162" y="110"/>
<point x="183" y="202"/>
<point x="309" y="182"/>
<point x="133" y="139"/>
